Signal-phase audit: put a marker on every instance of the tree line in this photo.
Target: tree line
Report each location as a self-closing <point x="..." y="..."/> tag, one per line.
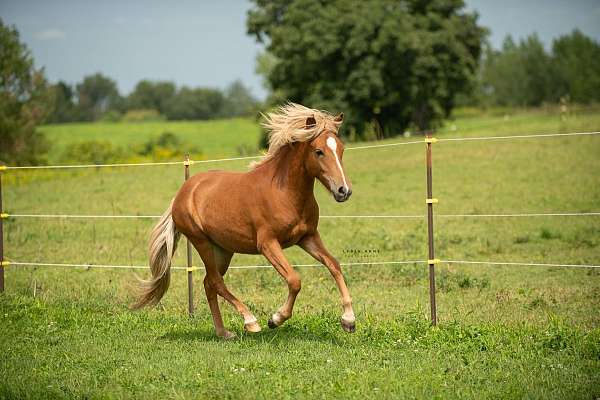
<point x="97" y="98"/>
<point x="27" y="100"/>
<point x="525" y="74"/>
<point x="389" y="65"/>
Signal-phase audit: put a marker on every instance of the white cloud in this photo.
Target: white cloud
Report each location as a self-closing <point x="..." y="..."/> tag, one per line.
<point x="51" y="34"/>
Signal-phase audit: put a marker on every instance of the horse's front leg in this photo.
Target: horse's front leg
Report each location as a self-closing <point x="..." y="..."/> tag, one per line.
<point x="271" y="249"/>
<point x="313" y="245"/>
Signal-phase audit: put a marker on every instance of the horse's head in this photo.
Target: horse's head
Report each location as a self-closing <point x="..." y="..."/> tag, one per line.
<point x="324" y="161"/>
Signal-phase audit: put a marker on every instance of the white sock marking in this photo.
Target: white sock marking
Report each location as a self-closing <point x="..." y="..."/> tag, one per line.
<point x="332" y="144"/>
<point x="348" y="317"/>
<point x="277" y="318"/>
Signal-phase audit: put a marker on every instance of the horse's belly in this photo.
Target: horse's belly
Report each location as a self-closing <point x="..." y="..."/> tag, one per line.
<point x="240" y="237"/>
<point x="231" y="232"/>
<point x="234" y="241"/>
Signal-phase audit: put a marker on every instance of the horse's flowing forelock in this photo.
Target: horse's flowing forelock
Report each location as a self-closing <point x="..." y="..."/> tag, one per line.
<point x="288" y="125"/>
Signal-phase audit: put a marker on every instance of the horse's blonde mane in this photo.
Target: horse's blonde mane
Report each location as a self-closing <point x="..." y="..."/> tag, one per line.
<point x="288" y="125"/>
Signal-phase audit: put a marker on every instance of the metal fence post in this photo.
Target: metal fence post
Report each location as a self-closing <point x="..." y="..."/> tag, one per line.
<point x="432" y="260"/>
<point x="190" y="268"/>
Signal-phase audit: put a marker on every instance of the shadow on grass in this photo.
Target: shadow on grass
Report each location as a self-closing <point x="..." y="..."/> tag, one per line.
<point x="186" y="335"/>
<point x="284" y="334"/>
<point x="414" y="332"/>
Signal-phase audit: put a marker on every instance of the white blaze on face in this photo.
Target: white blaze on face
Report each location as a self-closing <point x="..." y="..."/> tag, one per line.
<point x="332" y="144"/>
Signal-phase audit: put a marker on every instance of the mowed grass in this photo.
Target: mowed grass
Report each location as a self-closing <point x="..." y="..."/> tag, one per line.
<point x="504" y="332"/>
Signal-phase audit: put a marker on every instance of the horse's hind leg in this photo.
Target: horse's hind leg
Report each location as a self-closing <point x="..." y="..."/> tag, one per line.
<point x="211" y="296"/>
<point x="216" y="260"/>
<point x="222" y="260"/>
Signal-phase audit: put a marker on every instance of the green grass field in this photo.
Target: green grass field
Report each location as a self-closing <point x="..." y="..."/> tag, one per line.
<point x="214" y="139"/>
<point x="503" y="332"/>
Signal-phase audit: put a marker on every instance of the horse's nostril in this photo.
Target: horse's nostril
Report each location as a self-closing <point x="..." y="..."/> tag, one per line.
<point x="342" y="190"/>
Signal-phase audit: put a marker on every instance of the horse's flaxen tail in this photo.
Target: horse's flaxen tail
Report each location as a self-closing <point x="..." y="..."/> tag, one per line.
<point x="163" y="242"/>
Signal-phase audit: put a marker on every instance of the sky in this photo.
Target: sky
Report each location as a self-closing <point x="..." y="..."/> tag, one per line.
<point x="204" y="43"/>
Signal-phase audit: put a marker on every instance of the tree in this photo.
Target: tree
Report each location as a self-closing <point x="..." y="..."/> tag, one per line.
<point x="199" y="103"/>
<point x="519" y="74"/>
<point x="151" y="95"/>
<point x="383" y="62"/>
<point x="64" y="106"/>
<point x="577" y="59"/>
<point x="24" y="102"/>
<point x="525" y="74"/>
<point x="238" y="100"/>
<point x="97" y="95"/>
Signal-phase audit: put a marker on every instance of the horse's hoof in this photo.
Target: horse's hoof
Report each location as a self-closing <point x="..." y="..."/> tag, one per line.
<point x="349" y="327"/>
<point x="272" y="324"/>
<point x="252" y="327"/>
<point x="227" y="335"/>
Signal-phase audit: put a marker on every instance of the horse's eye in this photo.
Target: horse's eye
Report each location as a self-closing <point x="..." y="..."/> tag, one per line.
<point x="319" y="152"/>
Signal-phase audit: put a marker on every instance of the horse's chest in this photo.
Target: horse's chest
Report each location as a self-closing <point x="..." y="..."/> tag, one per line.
<point x="299" y="230"/>
<point x="289" y="224"/>
<point x="293" y="232"/>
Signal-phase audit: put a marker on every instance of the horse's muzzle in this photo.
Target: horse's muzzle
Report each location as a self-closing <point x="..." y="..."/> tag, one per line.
<point x="342" y="194"/>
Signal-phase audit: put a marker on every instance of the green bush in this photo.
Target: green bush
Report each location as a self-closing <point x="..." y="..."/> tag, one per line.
<point x="142" y="115"/>
<point x="167" y="146"/>
<point x="111" y="116"/>
<point x="166" y="140"/>
<point x="93" y="152"/>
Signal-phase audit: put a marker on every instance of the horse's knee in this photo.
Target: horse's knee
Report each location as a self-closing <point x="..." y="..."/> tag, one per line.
<point x="215" y="283"/>
<point x="294" y="283"/>
<point x="209" y="289"/>
<point x="207" y="286"/>
<point x="211" y="281"/>
<point x="336" y="272"/>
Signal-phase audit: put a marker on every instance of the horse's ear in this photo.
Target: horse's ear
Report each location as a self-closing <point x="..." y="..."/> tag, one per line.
<point x="339" y="118"/>
<point x="311" y="122"/>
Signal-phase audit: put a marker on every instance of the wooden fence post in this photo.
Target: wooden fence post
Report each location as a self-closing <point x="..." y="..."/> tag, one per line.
<point x="190" y="268"/>
<point x="2" y="215"/>
<point x="432" y="260"/>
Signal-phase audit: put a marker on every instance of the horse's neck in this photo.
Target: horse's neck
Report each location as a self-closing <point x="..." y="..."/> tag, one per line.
<point x="295" y="183"/>
<point x="299" y="185"/>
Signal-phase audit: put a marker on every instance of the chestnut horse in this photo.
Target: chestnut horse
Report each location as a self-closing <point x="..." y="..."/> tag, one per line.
<point x="262" y="211"/>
